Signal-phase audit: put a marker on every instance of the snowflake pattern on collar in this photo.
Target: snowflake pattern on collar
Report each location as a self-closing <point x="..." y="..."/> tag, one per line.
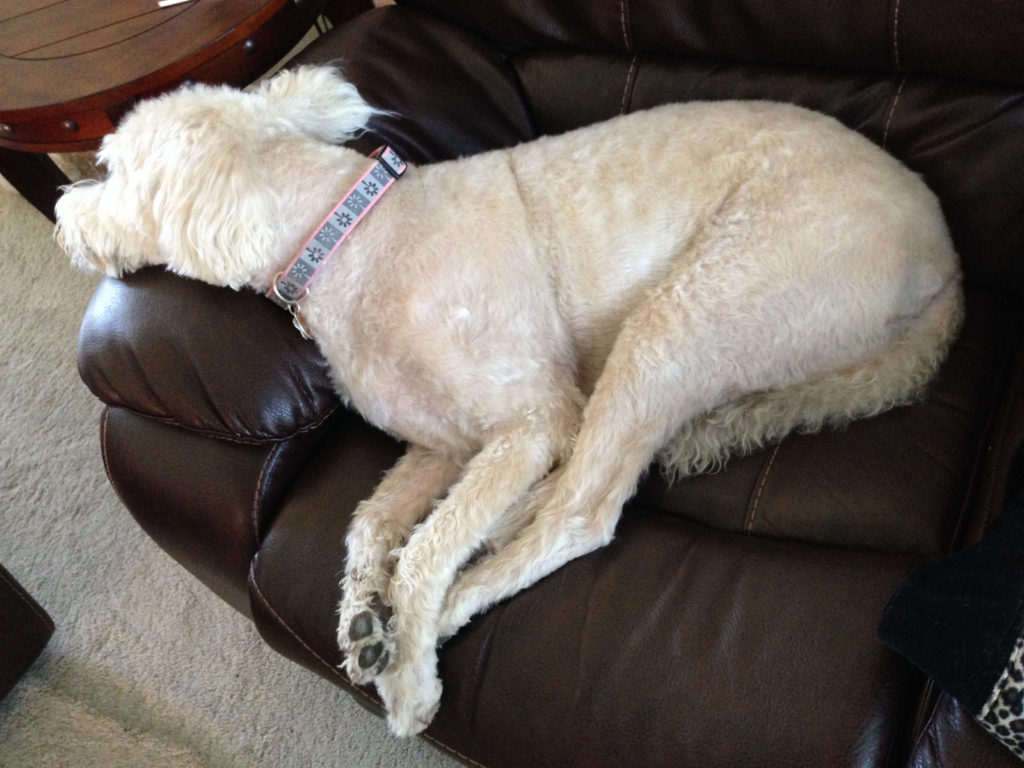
<point x="291" y="286"/>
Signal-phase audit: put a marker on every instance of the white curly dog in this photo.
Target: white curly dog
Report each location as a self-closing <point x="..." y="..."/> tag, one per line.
<point x="539" y="323"/>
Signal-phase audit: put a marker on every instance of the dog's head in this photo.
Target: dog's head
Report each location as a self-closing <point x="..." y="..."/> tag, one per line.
<point x="187" y="176"/>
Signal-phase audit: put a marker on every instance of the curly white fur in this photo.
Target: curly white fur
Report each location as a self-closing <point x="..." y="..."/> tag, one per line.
<point x="540" y="323"/>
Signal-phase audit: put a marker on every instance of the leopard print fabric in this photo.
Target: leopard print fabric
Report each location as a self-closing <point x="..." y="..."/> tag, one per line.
<point x="1003" y="713"/>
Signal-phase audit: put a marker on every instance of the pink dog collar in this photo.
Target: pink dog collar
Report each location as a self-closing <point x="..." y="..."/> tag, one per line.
<point x="291" y="286"/>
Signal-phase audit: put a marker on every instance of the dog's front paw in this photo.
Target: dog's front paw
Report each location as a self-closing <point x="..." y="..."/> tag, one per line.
<point x="411" y="700"/>
<point x="367" y="639"/>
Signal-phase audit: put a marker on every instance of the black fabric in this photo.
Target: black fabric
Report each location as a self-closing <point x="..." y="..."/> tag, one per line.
<point x="958" y="618"/>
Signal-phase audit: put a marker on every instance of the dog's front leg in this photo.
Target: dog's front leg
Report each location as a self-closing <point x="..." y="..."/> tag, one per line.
<point x="496" y="478"/>
<point x="644" y="394"/>
<point x="380" y="525"/>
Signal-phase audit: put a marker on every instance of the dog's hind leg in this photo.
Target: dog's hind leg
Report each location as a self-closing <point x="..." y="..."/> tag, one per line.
<point x="709" y="336"/>
<point x="896" y="374"/>
<point x="379" y="527"/>
<point x="661" y="371"/>
<point x="508" y="527"/>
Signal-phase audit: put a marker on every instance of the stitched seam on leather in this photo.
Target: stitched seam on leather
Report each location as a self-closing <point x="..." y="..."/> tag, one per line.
<point x="896" y="36"/>
<point x="924" y="734"/>
<point x="295" y="636"/>
<point x="257" y="499"/>
<point x="892" y="111"/>
<point x="103" y="443"/>
<point x="230" y="438"/>
<point x="627" y="90"/>
<point x="334" y="670"/>
<point x="624" y="19"/>
<point x="752" y="513"/>
<point x="624" y="14"/>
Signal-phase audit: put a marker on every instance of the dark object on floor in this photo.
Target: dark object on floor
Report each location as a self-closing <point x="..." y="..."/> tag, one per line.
<point x="25" y="628"/>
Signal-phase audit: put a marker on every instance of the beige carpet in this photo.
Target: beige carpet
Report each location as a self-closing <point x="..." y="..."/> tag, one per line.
<point x="147" y="668"/>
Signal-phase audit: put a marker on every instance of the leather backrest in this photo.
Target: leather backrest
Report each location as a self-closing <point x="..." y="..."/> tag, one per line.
<point x="935" y="83"/>
<point x="976" y="41"/>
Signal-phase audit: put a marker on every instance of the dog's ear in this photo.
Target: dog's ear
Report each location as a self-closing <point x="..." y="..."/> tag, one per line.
<point x="91" y="230"/>
<point x="215" y="216"/>
<point x="318" y="102"/>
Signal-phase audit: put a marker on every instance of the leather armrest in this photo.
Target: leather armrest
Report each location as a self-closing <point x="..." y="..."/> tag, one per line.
<point x="214" y="361"/>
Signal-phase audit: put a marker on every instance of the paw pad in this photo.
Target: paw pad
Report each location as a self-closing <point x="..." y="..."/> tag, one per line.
<point x="362" y="626"/>
<point x="369" y="641"/>
<point x="374" y="658"/>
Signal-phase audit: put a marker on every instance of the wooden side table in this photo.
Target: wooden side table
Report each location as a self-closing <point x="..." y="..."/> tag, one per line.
<point x="71" y="68"/>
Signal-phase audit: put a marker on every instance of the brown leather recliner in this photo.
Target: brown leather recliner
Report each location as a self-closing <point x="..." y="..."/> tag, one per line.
<point x="732" y="622"/>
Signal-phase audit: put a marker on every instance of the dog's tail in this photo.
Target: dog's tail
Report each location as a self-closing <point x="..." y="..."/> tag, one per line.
<point x="895" y="376"/>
